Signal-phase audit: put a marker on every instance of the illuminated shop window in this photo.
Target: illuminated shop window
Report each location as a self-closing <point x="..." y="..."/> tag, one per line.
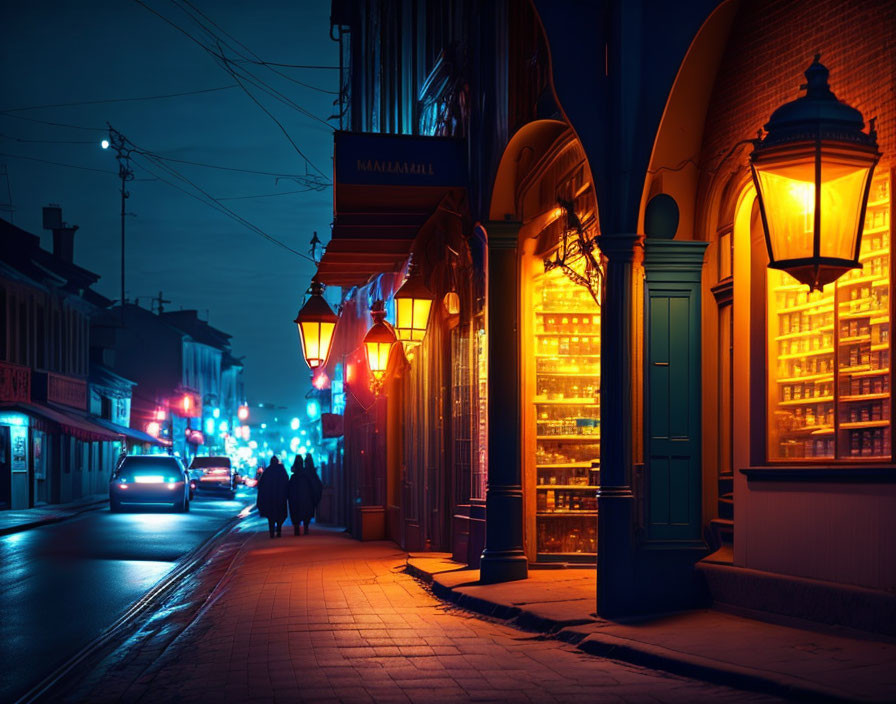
<point x="480" y="454"/>
<point x="567" y="416"/>
<point x="829" y="355"/>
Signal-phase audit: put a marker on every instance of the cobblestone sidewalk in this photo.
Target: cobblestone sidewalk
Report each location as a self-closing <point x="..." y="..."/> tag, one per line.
<point x="323" y="618"/>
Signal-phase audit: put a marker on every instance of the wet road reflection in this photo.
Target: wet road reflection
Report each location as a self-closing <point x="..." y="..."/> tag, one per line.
<point x="61" y="585"/>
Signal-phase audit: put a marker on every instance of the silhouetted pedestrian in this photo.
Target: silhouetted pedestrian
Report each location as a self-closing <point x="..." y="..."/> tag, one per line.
<point x="305" y="489"/>
<point x="271" y="499"/>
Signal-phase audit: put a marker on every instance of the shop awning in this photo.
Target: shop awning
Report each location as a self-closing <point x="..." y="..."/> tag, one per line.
<point x="131" y="433"/>
<point x="67" y="423"/>
<point x="386" y="188"/>
<point x="366" y="244"/>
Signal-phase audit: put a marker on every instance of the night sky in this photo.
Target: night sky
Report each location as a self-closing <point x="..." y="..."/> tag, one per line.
<point x="74" y="52"/>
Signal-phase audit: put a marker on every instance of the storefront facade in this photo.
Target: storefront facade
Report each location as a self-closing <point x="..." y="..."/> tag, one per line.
<point x="674" y="377"/>
<point x="791" y="455"/>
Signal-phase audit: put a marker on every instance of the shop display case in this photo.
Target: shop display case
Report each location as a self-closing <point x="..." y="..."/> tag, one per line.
<point x="567" y="418"/>
<point x="829" y="354"/>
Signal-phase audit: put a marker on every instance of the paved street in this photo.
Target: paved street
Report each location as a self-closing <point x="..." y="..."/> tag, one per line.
<point x="61" y="585"/>
<point x="324" y="618"/>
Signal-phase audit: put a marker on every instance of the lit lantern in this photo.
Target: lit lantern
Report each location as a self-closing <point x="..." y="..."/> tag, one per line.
<point x="316" y="322"/>
<point x="242" y="412"/>
<point x="153" y="428"/>
<point x="412" y="305"/>
<point x="812" y="172"/>
<point x="451" y="301"/>
<point x="378" y="344"/>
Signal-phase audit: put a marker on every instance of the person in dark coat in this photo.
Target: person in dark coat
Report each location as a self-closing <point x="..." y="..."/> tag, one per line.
<point x="305" y="489"/>
<point x="271" y="500"/>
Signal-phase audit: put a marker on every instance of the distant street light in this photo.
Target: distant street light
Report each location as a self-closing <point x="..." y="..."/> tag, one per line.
<point x="105" y="144"/>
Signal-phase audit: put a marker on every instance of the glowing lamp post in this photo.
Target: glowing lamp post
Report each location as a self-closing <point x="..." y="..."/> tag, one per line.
<point x="316" y="322"/>
<point x="812" y="172"/>
<point x="413" y="302"/>
<point x="378" y="345"/>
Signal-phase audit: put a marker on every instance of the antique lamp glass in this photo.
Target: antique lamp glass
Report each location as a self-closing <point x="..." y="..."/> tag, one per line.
<point x="812" y="172"/>
<point x="413" y="302"/>
<point x="378" y="345"/>
<point x="316" y="322"/>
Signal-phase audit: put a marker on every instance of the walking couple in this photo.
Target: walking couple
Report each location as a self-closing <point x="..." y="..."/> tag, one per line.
<point x="301" y="493"/>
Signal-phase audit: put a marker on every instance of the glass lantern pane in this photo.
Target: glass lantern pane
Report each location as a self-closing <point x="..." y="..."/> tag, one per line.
<point x="421" y="315"/>
<point x="326" y="338"/>
<point x="378" y="357"/>
<point x="842" y="191"/>
<point x="788" y="193"/>
<point x="310" y="332"/>
<point x="404" y="316"/>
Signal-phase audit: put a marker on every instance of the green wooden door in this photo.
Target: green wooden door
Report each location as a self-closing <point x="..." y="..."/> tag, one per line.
<point x="672" y="386"/>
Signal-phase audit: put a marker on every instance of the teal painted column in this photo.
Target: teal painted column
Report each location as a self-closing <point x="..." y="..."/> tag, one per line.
<point x="615" y="501"/>
<point x="503" y="558"/>
<point x="673" y="474"/>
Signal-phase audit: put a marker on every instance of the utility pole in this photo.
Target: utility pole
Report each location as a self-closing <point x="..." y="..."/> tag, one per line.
<point x="161" y="303"/>
<point x="119" y="143"/>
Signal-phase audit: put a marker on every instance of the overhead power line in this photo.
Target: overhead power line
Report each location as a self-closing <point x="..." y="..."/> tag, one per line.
<point x="119" y="100"/>
<point x="55" y="124"/>
<point x="209" y="199"/>
<point x="257" y="59"/>
<point x="48" y="141"/>
<point x="243" y="77"/>
<point x="274" y="63"/>
<point x="268" y="195"/>
<point x="57" y="163"/>
<point x="232" y="168"/>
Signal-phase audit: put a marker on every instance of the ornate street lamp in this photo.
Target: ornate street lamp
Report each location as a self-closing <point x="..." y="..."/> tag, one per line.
<point x="316" y="322"/>
<point x="378" y="344"/>
<point x="812" y="172"/>
<point x="413" y="302"/>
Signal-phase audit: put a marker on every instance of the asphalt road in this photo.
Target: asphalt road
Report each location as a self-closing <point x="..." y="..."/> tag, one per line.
<point x="61" y="585"/>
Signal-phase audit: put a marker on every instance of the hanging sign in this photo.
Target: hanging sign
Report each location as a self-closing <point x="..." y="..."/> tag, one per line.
<point x="399" y="160"/>
<point x="331" y="425"/>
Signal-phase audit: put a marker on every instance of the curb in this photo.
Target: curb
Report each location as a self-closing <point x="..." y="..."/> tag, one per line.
<point x="705" y="669"/>
<point x="636" y="652"/>
<point x="188" y="564"/>
<point x="54" y="518"/>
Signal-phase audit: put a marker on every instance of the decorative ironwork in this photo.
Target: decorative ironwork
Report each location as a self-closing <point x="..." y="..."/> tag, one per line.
<point x="578" y="246"/>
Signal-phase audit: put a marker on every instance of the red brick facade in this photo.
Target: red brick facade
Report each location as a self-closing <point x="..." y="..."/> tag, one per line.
<point x="770" y="46"/>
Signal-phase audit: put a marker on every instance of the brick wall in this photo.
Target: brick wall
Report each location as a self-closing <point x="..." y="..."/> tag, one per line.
<point x="773" y="42"/>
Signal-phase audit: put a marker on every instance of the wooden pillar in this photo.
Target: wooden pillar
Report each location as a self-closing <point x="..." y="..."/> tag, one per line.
<point x="503" y="558"/>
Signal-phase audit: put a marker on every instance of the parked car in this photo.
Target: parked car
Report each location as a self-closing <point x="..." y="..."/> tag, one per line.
<point x="150" y="479"/>
<point x="215" y="474"/>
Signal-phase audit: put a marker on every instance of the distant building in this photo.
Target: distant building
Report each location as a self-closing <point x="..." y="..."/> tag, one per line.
<point x="188" y="385"/>
<point x="52" y="449"/>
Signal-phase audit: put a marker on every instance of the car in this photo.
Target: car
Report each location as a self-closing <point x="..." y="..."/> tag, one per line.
<point x="150" y="479"/>
<point x="215" y="473"/>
